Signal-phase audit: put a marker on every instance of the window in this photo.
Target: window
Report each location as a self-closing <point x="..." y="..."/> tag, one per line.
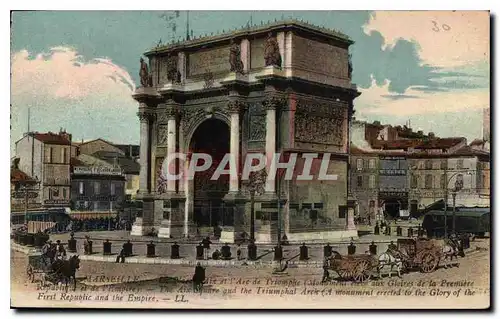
<point x="420" y="164"/>
<point x="359" y="164"/>
<point x="64" y="193"/>
<point x="443" y="164"/>
<point x="342" y="211"/>
<point x="80" y="188"/>
<point x="97" y="188"/>
<point x="371" y="163"/>
<point x="113" y="186"/>
<point x="443" y="181"/>
<point x="359" y="182"/>
<point x="428" y="164"/>
<point x="460" y="164"/>
<point x="428" y="181"/>
<point x="50" y="193"/>
<point x="51" y="155"/>
<point x="64" y="155"/>
<point x="414" y="181"/>
<point x="371" y="181"/>
<point x="96" y="205"/>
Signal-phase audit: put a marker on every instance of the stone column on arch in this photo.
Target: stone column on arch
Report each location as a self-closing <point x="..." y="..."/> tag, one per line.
<point x="171" y="145"/>
<point x="271" y="106"/>
<point x="235" y="108"/>
<point x="144" y="118"/>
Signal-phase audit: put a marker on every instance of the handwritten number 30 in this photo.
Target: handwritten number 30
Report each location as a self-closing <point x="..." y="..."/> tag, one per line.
<point x="436" y="27"/>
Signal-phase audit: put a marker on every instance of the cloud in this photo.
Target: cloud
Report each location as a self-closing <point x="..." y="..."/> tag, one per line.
<point x="377" y="100"/>
<point x="444" y="38"/>
<point x="89" y="98"/>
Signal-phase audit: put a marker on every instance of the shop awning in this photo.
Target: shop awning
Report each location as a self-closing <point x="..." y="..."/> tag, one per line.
<point x="91" y="214"/>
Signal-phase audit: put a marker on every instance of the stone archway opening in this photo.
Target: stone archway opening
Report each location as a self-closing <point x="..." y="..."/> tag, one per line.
<point x="212" y="137"/>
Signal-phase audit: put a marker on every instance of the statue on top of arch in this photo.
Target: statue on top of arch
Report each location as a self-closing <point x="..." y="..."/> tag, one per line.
<point x="146" y="78"/>
<point x="272" y="54"/>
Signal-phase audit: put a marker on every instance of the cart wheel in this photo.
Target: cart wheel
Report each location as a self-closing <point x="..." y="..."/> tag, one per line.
<point x="428" y="262"/>
<point x="344" y="274"/>
<point x="362" y="271"/>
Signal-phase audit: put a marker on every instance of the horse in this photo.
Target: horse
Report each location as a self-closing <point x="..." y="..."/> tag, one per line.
<point x="389" y="259"/>
<point x="452" y="248"/>
<point x="66" y="269"/>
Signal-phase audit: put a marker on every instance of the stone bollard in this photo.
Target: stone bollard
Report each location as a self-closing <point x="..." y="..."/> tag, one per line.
<point x="377" y="230"/>
<point x="72" y="244"/>
<point x="225" y="252"/>
<point x="373" y="248"/>
<point x="399" y="231"/>
<point x="89" y="248"/>
<point x="351" y="249"/>
<point x="199" y="251"/>
<point x="30" y="239"/>
<point x="327" y="251"/>
<point x="278" y="253"/>
<point x="150" y="250"/>
<point x="128" y="248"/>
<point x="252" y="251"/>
<point x="410" y="232"/>
<point x="106" y="247"/>
<point x="174" y="252"/>
<point x="304" y="254"/>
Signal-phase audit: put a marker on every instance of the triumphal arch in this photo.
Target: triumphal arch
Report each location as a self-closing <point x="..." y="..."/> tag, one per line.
<point x="281" y="88"/>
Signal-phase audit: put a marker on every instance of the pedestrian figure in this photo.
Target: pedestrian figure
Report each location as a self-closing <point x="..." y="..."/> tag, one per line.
<point x="216" y="255"/>
<point x="206" y="246"/>
<point x="198" y="278"/>
<point x="238" y="252"/>
<point x="86" y="245"/>
<point x="60" y="251"/>
<point x="122" y="255"/>
<point x="326" y="274"/>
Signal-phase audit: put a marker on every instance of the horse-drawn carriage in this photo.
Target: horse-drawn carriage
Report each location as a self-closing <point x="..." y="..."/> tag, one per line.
<point x="52" y="271"/>
<point x="421" y="253"/>
<point x="38" y="265"/>
<point x="358" y="268"/>
<point x="410" y="253"/>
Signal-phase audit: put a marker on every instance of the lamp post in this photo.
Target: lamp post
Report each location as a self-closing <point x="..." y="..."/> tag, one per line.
<point x="458" y="186"/>
<point x="255" y="183"/>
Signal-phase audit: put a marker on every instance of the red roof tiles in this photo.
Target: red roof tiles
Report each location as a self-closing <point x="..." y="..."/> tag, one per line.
<point x="52" y="138"/>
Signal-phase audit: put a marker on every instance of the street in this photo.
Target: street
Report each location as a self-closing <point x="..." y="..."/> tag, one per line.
<point x="136" y="285"/>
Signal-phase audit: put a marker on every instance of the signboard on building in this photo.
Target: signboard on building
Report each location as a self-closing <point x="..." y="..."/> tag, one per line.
<point x="96" y="170"/>
<point x="56" y="202"/>
<point x="392" y="172"/>
<point x="392" y="194"/>
<point x="19" y="195"/>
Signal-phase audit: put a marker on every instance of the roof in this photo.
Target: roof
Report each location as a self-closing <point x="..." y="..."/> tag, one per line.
<point x="76" y="162"/>
<point x="440" y="143"/>
<point x="477" y="142"/>
<point x="18" y="176"/>
<point x="469" y="151"/>
<point x="52" y="138"/>
<point x="461" y="212"/>
<point x="395" y="144"/>
<point x="255" y="29"/>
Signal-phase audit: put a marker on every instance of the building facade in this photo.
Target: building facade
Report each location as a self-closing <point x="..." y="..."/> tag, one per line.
<point x="364" y="171"/>
<point x="97" y="190"/>
<point x="247" y="91"/>
<point x="24" y="192"/>
<point x="46" y="157"/>
<point x="393" y="186"/>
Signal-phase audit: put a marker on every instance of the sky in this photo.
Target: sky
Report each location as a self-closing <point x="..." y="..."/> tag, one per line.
<point x="77" y="70"/>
